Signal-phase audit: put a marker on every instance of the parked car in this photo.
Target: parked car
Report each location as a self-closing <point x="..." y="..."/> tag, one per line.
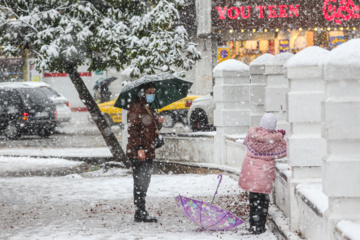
<point x="173" y="113"/>
<point x="62" y="104"/>
<point x="177" y="111"/>
<point x="113" y="115"/>
<point x="201" y="113"/>
<point x="25" y="110"/>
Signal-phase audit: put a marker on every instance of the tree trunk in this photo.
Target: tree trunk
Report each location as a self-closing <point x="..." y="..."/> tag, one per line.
<point x="97" y="116"/>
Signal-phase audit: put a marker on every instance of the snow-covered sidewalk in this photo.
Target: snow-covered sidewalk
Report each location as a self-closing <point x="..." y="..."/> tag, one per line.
<point x="19" y="164"/>
<point x="98" y="205"/>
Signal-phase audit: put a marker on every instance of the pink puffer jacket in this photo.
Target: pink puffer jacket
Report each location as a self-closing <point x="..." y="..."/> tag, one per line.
<point x="258" y="169"/>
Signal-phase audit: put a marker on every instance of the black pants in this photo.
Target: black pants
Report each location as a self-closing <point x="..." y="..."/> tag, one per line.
<point x="142" y="174"/>
<point x="259" y="205"/>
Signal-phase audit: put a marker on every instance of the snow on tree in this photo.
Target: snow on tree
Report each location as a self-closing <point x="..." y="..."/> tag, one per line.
<point x="65" y="34"/>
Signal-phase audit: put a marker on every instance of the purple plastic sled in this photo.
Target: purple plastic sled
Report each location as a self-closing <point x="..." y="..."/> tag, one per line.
<point x="206" y="215"/>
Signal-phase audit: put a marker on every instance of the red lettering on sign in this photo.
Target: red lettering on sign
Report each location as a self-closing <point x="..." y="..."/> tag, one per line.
<point x="294" y="10"/>
<point x="221" y="12"/>
<point x="55" y="75"/>
<point x="282" y="11"/>
<point x="261" y="8"/>
<point x="243" y="12"/>
<point x="272" y="13"/>
<point x="82" y="74"/>
<point x="234" y="10"/>
<point x="346" y="10"/>
<point x="79" y="109"/>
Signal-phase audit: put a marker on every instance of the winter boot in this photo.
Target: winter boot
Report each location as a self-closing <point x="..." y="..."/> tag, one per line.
<point x="257" y="229"/>
<point x="259" y="204"/>
<point x="143" y="216"/>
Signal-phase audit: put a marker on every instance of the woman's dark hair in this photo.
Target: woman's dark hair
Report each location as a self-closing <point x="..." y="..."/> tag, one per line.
<point x="143" y="88"/>
<point x="146" y="86"/>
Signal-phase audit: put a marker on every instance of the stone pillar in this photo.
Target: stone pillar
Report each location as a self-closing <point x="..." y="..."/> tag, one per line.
<point x="341" y="114"/>
<point x="257" y="88"/>
<point x="203" y="76"/>
<point x="203" y="17"/>
<point x="306" y="147"/>
<point x="277" y="88"/>
<point x="231" y="96"/>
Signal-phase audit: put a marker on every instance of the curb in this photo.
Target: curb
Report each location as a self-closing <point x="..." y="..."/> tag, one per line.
<point x="48" y="172"/>
<point x="160" y="166"/>
<point x="280" y="225"/>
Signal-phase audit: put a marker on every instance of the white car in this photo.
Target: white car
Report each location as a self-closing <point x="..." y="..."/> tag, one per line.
<point x="201" y="113"/>
<point x="62" y="104"/>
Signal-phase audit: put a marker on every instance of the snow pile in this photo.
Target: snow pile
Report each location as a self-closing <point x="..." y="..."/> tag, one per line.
<point x="237" y="137"/>
<point x="313" y="193"/>
<point x="285" y="169"/>
<point x="349" y="229"/>
<point x="280" y="59"/>
<point x="262" y="60"/>
<point x="310" y="56"/>
<point x="343" y="61"/>
<point x="199" y="134"/>
<point x="231" y="65"/>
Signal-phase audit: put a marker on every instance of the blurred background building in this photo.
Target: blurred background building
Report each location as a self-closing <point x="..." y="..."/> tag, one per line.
<point x="232" y="29"/>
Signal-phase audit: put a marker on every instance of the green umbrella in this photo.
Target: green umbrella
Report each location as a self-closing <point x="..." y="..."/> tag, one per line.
<point x="169" y="89"/>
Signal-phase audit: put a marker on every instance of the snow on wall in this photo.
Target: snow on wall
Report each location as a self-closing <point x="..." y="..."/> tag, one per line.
<point x="349" y="229"/>
<point x="231" y="65"/>
<point x="340" y="63"/>
<point x="311" y="56"/>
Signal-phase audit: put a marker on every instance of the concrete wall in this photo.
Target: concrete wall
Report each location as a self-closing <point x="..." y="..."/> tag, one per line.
<point x="187" y="148"/>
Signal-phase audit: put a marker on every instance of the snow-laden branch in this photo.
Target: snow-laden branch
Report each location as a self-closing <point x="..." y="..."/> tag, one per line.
<point x="132" y="33"/>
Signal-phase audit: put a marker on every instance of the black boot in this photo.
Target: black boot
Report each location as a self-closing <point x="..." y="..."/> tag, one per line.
<point x="143" y="216"/>
<point x="259" y="204"/>
<point x="142" y="175"/>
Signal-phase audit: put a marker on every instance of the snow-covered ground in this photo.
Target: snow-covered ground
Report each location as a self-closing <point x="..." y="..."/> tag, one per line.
<point x="98" y="205"/>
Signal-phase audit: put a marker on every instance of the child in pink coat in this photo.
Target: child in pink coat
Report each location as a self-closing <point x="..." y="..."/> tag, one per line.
<point x="264" y="144"/>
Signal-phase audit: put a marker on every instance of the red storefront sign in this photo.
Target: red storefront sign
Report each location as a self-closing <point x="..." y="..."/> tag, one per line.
<point x="285" y="14"/>
<point x="339" y="11"/>
<point x="281" y="11"/>
<point x="54" y="74"/>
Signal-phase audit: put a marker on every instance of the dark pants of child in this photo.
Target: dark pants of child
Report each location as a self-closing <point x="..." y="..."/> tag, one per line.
<point x="259" y="205"/>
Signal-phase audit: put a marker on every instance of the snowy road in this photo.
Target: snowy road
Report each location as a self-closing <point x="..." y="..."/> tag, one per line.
<point x="99" y="206"/>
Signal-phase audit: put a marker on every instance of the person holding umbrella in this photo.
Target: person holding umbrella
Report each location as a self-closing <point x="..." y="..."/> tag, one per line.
<point x="140" y="98"/>
<point x="143" y="124"/>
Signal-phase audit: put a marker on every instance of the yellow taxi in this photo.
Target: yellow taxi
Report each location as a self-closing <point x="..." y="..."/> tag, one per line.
<point x="173" y="113"/>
